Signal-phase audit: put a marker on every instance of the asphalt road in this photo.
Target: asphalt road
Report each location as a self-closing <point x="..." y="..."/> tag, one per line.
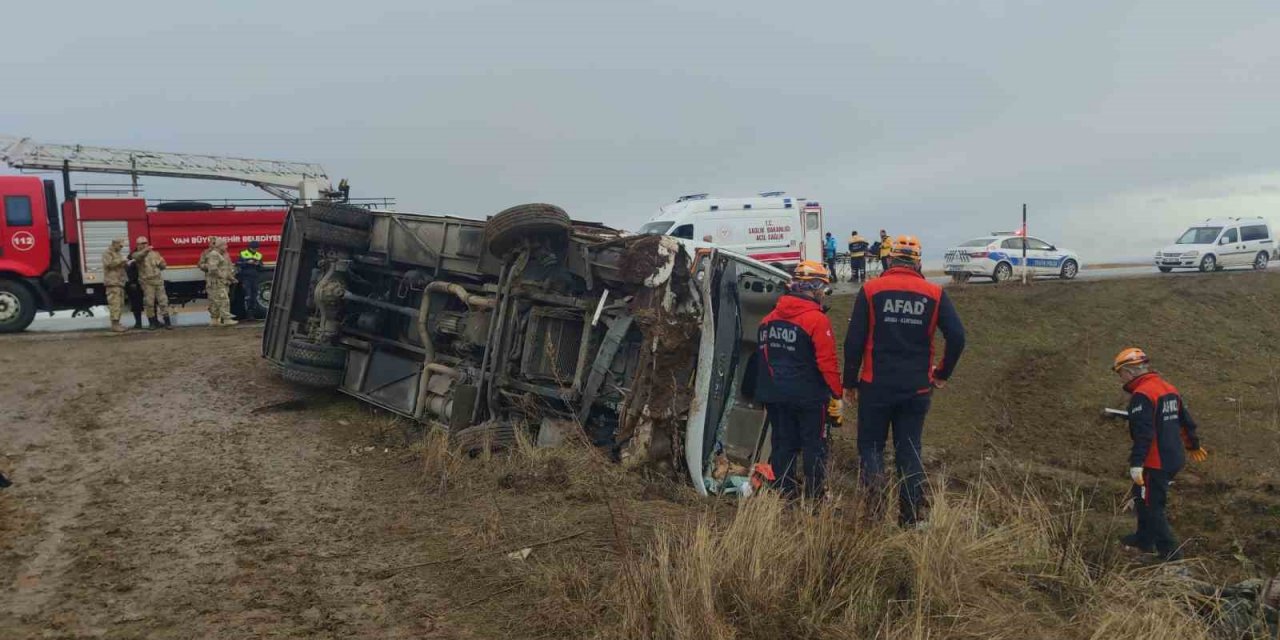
<point x="1086" y="275"/>
<point x="62" y="320"/>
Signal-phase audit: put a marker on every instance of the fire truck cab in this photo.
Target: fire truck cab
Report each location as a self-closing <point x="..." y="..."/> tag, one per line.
<point x="51" y="256"/>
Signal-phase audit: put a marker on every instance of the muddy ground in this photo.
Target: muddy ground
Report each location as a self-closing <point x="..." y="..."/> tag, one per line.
<point x="170" y="485"/>
<point x="151" y="501"/>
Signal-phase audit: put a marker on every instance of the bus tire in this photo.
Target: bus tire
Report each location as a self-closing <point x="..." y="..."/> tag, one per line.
<point x="323" y="232"/>
<point x="345" y="215"/>
<point x="311" y="354"/>
<point x="508" y="228"/>
<point x="314" y="377"/>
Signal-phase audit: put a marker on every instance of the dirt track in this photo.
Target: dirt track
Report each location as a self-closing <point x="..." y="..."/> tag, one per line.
<point x="150" y="502"/>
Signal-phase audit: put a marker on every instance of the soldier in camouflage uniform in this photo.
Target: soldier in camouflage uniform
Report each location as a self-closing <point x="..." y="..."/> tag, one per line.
<point x="151" y="268"/>
<point x="114" y="266"/>
<point x="218" y="276"/>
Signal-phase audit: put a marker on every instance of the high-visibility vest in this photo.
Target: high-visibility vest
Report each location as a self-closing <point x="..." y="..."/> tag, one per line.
<point x="857" y="247"/>
<point x="886" y="247"/>
<point x="250" y="254"/>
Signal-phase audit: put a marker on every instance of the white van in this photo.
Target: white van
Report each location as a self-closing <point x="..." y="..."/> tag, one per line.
<point x="1221" y="243"/>
<point x="773" y="227"/>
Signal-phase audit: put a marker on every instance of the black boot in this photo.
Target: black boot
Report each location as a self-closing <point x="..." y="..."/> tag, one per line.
<point x="1134" y="542"/>
<point x="137" y="319"/>
<point x="168" y="322"/>
<point x="152" y="323"/>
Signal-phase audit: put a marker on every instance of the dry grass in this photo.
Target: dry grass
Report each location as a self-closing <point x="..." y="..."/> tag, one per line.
<point x="995" y="562"/>
<point x="1025" y="514"/>
<point x="999" y="559"/>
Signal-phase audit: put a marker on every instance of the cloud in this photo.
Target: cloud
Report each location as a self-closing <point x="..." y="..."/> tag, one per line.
<point x="1109" y="119"/>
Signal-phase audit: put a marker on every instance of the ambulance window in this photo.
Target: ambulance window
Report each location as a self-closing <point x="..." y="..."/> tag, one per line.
<point x="811" y="222"/>
<point x="683" y="231"/>
<point x="17" y="211"/>
<point x="656" y="228"/>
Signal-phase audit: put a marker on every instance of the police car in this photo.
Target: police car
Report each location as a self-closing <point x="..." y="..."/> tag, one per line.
<point x="999" y="257"/>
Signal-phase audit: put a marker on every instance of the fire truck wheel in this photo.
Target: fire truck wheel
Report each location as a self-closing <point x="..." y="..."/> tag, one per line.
<point x="17" y="306"/>
<point x="315" y="377"/>
<point x="507" y="228"/>
<point x="497" y="436"/>
<point x="346" y="215"/>
<point x="336" y="235"/>
<point x="321" y="356"/>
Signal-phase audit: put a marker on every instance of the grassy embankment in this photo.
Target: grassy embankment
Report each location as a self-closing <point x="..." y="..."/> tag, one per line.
<point x="1028" y="492"/>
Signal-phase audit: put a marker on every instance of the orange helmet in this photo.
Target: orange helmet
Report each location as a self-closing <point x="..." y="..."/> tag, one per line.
<point x="1130" y="356"/>
<point x="906" y="248"/>
<point x="812" y="270"/>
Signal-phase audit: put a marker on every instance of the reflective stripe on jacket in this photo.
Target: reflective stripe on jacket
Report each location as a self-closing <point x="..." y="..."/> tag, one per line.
<point x="889" y="347"/>
<point x="796" y="354"/>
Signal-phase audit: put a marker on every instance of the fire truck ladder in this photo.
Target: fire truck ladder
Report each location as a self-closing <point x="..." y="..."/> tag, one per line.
<point x="293" y="182"/>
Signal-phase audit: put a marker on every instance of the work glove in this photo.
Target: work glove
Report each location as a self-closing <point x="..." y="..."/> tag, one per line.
<point x="1199" y="454"/>
<point x="835" y="412"/>
<point x="1136" y="474"/>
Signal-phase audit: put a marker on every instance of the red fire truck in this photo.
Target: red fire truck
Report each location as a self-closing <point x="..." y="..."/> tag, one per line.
<point x="50" y="255"/>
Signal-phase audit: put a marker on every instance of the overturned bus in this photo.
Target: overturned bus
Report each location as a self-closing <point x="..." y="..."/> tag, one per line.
<point x="530" y="320"/>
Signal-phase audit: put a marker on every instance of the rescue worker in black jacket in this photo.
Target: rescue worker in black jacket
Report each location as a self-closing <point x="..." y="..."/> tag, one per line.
<point x="798" y="380"/>
<point x="889" y="370"/>
<point x="1160" y="427"/>
<point x="858" y="257"/>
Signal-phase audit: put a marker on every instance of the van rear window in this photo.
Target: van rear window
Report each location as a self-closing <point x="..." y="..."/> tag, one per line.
<point x="1253" y="232"/>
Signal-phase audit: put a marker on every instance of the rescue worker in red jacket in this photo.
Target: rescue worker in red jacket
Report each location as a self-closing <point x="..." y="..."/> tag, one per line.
<point x="1161" y="427"/>
<point x="798" y="379"/>
<point x="889" y="370"/>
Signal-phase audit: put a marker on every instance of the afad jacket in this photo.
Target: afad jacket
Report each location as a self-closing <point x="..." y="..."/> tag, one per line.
<point x="1159" y="424"/>
<point x="796" y="356"/>
<point x="888" y="351"/>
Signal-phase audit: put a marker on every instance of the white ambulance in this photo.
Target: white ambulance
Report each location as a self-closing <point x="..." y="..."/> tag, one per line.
<point x="772" y="227"/>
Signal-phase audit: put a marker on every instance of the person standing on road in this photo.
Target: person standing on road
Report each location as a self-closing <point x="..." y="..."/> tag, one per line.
<point x="218" y="276"/>
<point x="250" y="266"/>
<point x="890" y="374"/>
<point x="115" y="275"/>
<point x="1161" y="428"/>
<point x="798" y="380"/>
<point x="829" y="255"/>
<point x="151" y="266"/>
<point x="857" y="257"/>
<point x="886" y="248"/>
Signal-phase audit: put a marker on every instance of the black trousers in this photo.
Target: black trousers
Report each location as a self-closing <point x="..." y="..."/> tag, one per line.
<point x="905" y="419"/>
<point x="831" y="267"/>
<point x="1149" y="501"/>
<point x="249" y="286"/>
<point x="884" y="265"/>
<point x="133" y="291"/>
<point x="859" y="268"/>
<point x="798" y="429"/>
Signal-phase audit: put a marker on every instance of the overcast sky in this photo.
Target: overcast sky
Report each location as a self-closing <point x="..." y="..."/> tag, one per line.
<point x="1117" y="121"/>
